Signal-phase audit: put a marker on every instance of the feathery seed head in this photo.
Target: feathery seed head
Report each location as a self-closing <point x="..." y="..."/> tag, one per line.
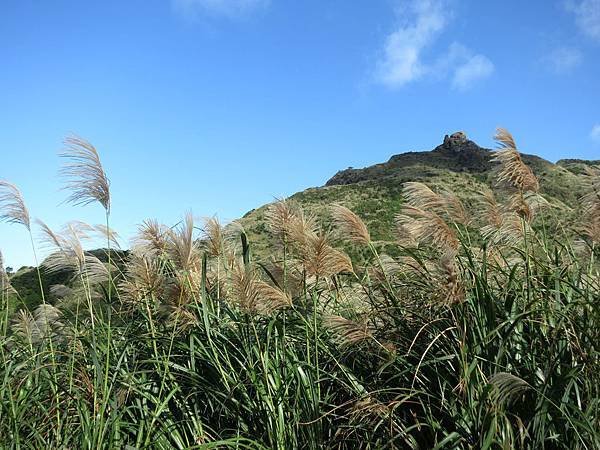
<point x="350" y="225"/>
<point x="5" y="286"/>
<point x="84" y="173"/>
<point x="213" y="233"/>
<point x="348" y="331"/>
<point x="12" y="205"/>
<point x="182" y="247"/>
<point x="428" y="228"/>
<point x="152" y="238"/>
<point x="512" y="170"/>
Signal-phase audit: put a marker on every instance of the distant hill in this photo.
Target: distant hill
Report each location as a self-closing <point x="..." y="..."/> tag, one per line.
<point x="26" y="281"/>
<point x="458" y="164"/>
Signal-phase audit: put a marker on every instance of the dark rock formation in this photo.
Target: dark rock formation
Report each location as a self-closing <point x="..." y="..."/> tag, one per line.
<point x="456" y="153"/>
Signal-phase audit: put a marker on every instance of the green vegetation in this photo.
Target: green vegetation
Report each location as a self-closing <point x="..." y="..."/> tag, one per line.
<point x="460" y="321"/>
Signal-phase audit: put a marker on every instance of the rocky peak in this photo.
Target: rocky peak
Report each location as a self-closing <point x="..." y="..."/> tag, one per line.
<point x="457" y="143"/>
<point x="457" y="153"/>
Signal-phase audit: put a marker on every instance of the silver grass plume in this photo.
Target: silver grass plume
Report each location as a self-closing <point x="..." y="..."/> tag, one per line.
<point x="253" y="295"/>
<point x="44" y="323"/>
<point x="214" y="236"/>
<point x="512" y="170"/>
<point x="5" y="286"/>
<point x="590" y="228"/>
<point x="108" y="235"/>
<point x="84" y="173"/>
<point x="12" y="205"/>
<point x="182" y="247"/>
<point x="348" y="331"/>
<point x="320" y="259"/>
<point x="70" y="256"/>
<point x="350" y="225"/>
<point x="152" y="238"/>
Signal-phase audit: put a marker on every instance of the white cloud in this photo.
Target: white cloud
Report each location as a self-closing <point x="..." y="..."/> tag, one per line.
<point x="473" y="69"/>
<point x="587" y="16"/>
<point x="564" y="59"/>
<point x="422" y="22"/>
<point x="231" y="9"/>
<point x="402" y="63"/>
<point x="595" y="133"/>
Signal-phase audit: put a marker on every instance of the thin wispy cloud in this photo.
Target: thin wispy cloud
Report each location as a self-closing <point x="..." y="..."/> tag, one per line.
<point x="421" y="23"/>
<point x="563" y="60"/>
<point x="587" y="16"/>
<point x="231" y="9"/>
<point x="402" y="63"/>
<point x="595" y="133"/>
<point x="472" y="70"/>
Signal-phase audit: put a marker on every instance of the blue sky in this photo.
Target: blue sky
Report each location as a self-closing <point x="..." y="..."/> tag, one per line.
<point x="219" y="106"/>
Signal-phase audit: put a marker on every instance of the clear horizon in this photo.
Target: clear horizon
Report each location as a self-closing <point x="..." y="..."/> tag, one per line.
<point x="220" y="106"/>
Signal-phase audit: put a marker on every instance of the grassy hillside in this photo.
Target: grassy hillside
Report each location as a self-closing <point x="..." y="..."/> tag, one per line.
<point x="375" y="192"/>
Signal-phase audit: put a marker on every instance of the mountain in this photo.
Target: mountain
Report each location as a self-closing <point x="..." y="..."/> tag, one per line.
<point x="458" y="164"/>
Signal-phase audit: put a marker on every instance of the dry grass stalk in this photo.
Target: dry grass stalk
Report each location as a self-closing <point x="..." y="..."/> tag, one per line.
<point x="279" y="216"/>
<point x="370" y="410"/>
<point x="270" y="298"/>
<point x="254" y="296"/>
<point x="420" y="196"/>
<point x="455" y="208"/>
<point x="451" y="287"/>
<point x="351" y="226"/>
<point x="50" y="238"/>
<point x="181" y="318"/>
<point x="590" y="228"/>
<point x="213" y="234"/>
<point x="293" y="275"/>
<point x="513" y="171"/>
<point x="69" y="256"/>
<point x="182" y="288"/>
<point x="12" y="205"/>
<point x="386" y="270"/>
<point x="510" y="233"/>
<point x="490" y="213"/>
<point x="5" y="286"/>
<point x="44" y="323"/>
<point x="23" y="325"/>
<point x="182" y="248"/>
<point x="60" y="291"/>
<point x="152" y="238"/>
<point x="144" y="278"/>
<point x="526" y="205"/>
<point x="428" y="228"/>
<point x="84" y="173"/>
<point x="322" y="260"/>
<point x="108" y="235"/>
<point x="348" y="331"/>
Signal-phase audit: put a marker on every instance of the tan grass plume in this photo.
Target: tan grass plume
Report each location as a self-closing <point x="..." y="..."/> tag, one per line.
<point x="84" y="173"/>
<point x="5" y="286"/>
<point x="214" y="237"/>
<point x="512" y="170"/>
<point x="12" y="205"/>
<point x="350" y="225"/>
<point x="348" y="331"/>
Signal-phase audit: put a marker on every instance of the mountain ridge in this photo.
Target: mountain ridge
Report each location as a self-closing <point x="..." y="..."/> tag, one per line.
<point x="458" y="164"/>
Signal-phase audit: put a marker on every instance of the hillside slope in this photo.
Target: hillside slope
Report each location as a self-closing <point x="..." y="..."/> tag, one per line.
<point x="458" y="164"/>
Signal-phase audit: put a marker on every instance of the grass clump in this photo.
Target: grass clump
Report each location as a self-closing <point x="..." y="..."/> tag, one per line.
<point x="480" y="331"/>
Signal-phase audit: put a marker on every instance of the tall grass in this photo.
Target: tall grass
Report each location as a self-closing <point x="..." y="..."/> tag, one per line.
<point x="483" y="334"/>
